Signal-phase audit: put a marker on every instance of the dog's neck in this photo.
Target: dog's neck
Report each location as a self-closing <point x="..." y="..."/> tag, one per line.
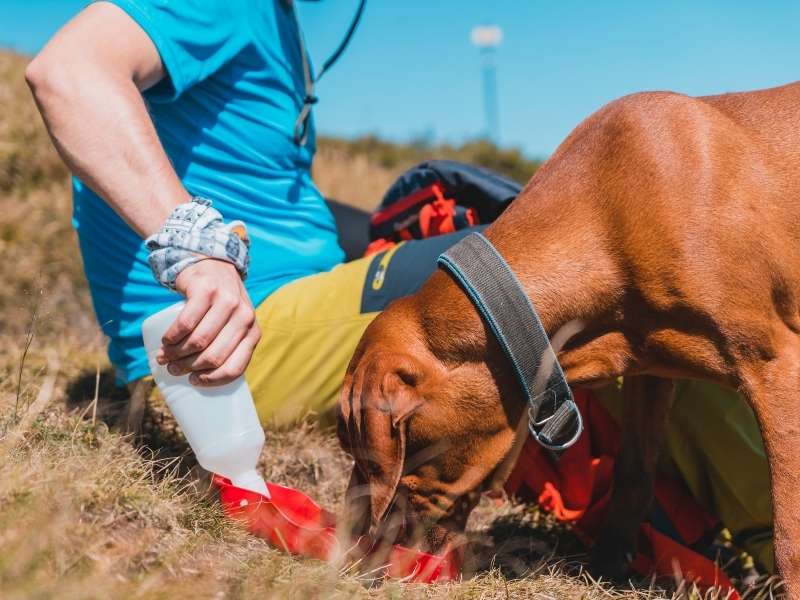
<point x="561" y="255"/>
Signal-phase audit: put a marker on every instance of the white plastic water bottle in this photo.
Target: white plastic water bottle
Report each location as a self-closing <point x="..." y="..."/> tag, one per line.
<point x="220" y="422"/>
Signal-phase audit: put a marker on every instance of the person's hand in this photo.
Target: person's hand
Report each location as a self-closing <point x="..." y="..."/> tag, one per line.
<point x="215" y="334"/>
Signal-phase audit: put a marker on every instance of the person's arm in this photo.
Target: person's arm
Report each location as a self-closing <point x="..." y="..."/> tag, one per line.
<point x="87" y="83"/>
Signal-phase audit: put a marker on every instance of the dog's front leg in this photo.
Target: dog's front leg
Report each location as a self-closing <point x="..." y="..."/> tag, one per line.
<point x="646" y="404"/>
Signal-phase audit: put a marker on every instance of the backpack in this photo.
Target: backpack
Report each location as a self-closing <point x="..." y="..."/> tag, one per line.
<point x="438" y="197"/>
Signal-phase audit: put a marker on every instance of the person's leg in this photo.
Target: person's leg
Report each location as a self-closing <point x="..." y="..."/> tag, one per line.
<point x="310" y="327"/>
<point x="133" y="413"/>
<point x="309" y="330"/>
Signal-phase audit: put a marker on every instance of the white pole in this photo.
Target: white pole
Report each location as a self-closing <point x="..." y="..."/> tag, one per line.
<point x="487" y="38"/>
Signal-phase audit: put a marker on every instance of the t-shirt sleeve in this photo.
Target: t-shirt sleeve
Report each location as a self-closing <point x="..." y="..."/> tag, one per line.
<point x="195" y="38"/>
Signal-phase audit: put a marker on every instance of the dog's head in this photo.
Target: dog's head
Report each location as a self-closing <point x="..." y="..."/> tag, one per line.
<point x="425" y="422"/>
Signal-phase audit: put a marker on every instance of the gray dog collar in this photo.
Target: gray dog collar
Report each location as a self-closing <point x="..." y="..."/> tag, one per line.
<point x="553" y="417"/>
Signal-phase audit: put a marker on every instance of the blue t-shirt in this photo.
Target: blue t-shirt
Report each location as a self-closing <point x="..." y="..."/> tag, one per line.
<point x="225" y="115"/>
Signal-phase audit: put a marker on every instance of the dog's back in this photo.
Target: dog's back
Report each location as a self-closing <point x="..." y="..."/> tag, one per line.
<point x="766" y="127"/>
<point x="690" y="210"/>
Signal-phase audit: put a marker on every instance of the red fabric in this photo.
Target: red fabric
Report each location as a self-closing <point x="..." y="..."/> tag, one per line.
<point x="435" y="217"/>
<point x="577" y="489"/>
<point x="472" y="217"/>
<point x="379" y="245"/>
<point x="293" y="522"/>
<point x="418" y="197"/>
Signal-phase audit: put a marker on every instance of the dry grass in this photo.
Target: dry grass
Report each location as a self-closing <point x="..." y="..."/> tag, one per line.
<point x="88" y="513"/>
<point x="26" y="158"/>
<point x="352" y="178"/>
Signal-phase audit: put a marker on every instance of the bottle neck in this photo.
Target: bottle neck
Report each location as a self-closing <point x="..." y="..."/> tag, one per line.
<point x="251" y="481"/>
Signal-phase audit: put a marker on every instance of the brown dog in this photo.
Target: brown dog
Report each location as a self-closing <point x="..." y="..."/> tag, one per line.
<point x="669" y="227"/>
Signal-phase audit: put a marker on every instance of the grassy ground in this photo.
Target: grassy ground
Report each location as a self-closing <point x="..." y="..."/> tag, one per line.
<point x="88" y="513"/>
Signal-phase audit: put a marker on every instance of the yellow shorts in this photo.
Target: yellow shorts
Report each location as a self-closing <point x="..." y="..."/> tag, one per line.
<point x="310" y="328"/>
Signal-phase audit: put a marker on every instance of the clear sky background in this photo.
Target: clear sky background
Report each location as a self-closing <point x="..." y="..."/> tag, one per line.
<point x="411" y="71"/>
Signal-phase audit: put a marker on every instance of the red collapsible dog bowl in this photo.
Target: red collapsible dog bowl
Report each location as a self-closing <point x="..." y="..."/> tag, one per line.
<point x="293" y="522"/>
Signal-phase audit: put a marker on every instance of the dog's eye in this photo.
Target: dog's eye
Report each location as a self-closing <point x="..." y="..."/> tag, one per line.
<point x="410" y="379"/>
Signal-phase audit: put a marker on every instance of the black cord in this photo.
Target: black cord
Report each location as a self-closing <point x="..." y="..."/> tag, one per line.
<point x="301" y="124"/>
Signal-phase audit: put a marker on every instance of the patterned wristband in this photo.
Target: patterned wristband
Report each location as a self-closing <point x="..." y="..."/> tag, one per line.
<point x="193" y="232"/>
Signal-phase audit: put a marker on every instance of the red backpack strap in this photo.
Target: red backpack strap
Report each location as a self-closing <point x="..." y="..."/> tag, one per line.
<point x="436" y="218"/>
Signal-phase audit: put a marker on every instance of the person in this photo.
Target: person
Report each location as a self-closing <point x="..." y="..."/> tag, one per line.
<point x="156" y="107"/>
<point x="188" y="128"/>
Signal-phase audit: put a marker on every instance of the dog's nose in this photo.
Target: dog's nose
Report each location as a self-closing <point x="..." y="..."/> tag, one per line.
<point x="393" y="529"/>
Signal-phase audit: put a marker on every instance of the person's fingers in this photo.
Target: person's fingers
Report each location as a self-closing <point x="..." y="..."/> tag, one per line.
<point x="206" y="331"/>
<point x="183" y="365"/>
<point x="197" y="305"/>
<point x="234" y="366"/>
<point x="218" y="351"/>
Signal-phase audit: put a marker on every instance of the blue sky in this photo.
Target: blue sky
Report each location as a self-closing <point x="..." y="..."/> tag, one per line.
<point x="411" y="71"/>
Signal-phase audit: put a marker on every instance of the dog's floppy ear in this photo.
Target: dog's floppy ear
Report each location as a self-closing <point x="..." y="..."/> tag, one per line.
<point x="386" y="428"/>
<point x="388" y="398"/>
<point x="378" y="397"/>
